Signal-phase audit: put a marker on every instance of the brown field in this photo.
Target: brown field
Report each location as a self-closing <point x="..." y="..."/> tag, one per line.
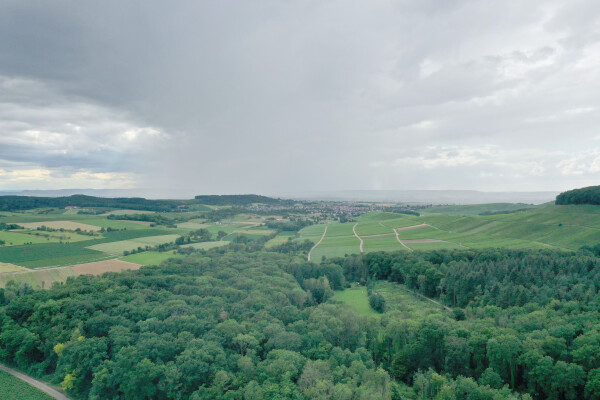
<point x="5" y="267"/>
<point x="67" y="225"/>
<point x="408" y="241"/>
<point x="100" y="267"/>
<point x="45" y="278"/>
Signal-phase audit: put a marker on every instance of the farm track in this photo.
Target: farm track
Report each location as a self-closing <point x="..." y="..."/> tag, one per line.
<point x="319" y="242"/>
<point x="35" y="383"/>
<point x="400" y="241"/>
<point x="359" y="238"/>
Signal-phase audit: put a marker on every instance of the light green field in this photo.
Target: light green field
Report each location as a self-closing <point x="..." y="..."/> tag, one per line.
<point x="382" y="243"/>
<point x="336" y="247"/>
<point x="121" y="246"/>
<point x="206" y="245"/>
<point x="12" y="388"/>
<point x="150" y="257"/>
<point x="281" y="238"/>
<point x="475" y="209"/>
<point x="128" y="212"/>
<point x="312" y="233"/>
<point x="357" y="298"/>
<point x="372" y="228"/>
<point x="12" y="238"/>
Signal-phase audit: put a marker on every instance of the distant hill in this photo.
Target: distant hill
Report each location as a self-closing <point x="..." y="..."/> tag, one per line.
<point x="238" y="199"/>
<point x="16" y="203"/>
<point x="586" y="195"/>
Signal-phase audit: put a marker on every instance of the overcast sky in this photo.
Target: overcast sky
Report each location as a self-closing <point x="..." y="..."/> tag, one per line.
<point x="279" y="96"/>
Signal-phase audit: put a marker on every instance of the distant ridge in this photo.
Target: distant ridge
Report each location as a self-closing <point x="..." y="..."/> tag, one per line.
<point x="430" y="196"/>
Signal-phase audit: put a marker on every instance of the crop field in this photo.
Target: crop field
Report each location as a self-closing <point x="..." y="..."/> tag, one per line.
<point x="45" y="278"/>
<point x="281" y="238"/>
<point x="356" y="297"/>
<point x="127" y="212"/>
<point x="312" y="233"/>
<point x="112" y="223"/>
<point x="476" y="209"/>
<point x="66" y="225"/>
<point x="336" y="247"/>
<point x="12" y="388"/>
<point x="118" y="247"/>
<point x="192" y="225"/>
<point x="150" y="257"/>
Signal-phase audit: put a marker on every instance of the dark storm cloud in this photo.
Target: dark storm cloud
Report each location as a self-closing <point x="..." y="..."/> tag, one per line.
<point x="275" y="96"/>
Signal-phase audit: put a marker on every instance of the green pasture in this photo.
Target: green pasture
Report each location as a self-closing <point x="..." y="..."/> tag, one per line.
<point x="150" y="257"/>
<point x="382" y="243"/>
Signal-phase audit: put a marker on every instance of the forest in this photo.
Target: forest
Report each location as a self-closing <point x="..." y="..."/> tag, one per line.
<point x="586" y="195"/>
<point x="244" y="323"/>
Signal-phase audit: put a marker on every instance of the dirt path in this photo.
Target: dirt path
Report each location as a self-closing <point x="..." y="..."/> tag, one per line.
<point x="319" y="242"/>
<point x="359" y="238"/>
<point x="400" y="241"/>
<point x="35" y="383"/>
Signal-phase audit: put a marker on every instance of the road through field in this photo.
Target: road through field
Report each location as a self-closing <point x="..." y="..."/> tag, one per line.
<point x="35" y="383"/>
<point x="359" y="238"/>
<point x="319" y="242"/>
<point x="400" y="241"/>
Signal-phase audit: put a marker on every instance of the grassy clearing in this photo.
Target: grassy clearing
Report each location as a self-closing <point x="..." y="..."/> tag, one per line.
<point x="399" y="300"/>
<point x="356" y="297"/>
<point x="12" y="388"/>
<point x="150" y="257"/>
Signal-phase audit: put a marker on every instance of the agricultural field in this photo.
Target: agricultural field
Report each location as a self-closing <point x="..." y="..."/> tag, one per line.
<point x="541" y="227"/>
<point x="66" y="225"/>
<point x="119" y="247"/>
<point x="206" y="245"/>
<point x="45" y="278"/>
<point x="12" y="388"/>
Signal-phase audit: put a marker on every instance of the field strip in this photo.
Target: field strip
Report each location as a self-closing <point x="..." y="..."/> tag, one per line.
<point x="35" y="383"/>
<point x="412" y="227"/>
<point x="400" y="241"/>
<point x="359" y="238"/>
<point x="318" y="243"/>
<point x="379" y="234"/>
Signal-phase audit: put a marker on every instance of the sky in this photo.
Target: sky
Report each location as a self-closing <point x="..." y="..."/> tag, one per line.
<point x="277" y="97"/>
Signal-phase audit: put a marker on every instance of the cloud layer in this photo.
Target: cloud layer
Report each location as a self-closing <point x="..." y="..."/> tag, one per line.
<point x="277" y="97"/>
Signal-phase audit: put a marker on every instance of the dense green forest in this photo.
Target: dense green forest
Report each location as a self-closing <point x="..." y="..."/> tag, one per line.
<point x="586" y="195"/>
<point x="245" y="323"/>
<point x="19" y="203"/>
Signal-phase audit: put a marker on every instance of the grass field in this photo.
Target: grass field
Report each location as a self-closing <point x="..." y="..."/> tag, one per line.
<point x="476" y="209"/>
<point x="356" y="297"/>
<point x="150" y="257"/>
<point x="4" y="268"/>
<point x="12" y="388"/>
<point x="382" y="243"/>
<point x="12" y="238"/>
<point x="400" y="300"/>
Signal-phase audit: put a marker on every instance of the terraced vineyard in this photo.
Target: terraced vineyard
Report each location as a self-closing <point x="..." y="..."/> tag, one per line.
<point x="545" y="226"/>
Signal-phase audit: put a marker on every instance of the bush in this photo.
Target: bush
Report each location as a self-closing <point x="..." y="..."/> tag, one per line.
<point x="377" y="302"/>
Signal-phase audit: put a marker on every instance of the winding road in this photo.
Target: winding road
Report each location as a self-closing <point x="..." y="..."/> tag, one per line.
<point x="359" y="238"/>
<point x="319" y="242"/>
<point x="400" y="241"/>
<point x="35" y="383"/>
